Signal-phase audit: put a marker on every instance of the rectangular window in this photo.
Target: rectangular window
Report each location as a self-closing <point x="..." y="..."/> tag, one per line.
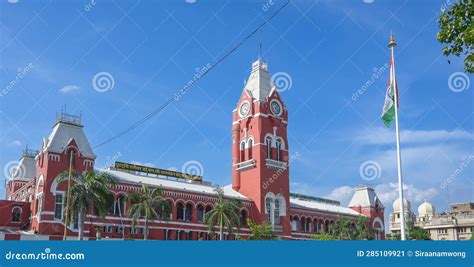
<point x="108" y="229"/>
<point x="276" y="212"/>
<point x="58" y="208"/>
<point x="39" y="202"/>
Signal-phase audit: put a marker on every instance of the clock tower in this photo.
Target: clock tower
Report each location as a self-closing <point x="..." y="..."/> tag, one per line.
<point x="260" y="155"/>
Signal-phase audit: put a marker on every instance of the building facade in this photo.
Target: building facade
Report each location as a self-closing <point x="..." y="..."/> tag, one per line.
<point x="455" y="224"/>
<point x="260" y="181"/>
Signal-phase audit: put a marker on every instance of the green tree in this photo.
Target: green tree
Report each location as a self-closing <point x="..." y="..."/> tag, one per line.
<point x="472" y="236"/>
<point x="362" y="229"/>
<point x="417" y="233"/>
<point x="457" y="32"/>
<point x="323" y="236"/>
<point x="224" y="214"/>
<point x="89" y="190"/>
<point x="343" y="229"/>
<point x="148" y="204"/>
<point x="347" y="229"/>
<point x="262" y="231"/>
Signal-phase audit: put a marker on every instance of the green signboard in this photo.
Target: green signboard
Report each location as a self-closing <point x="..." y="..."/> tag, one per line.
<point x="145" y="169"/>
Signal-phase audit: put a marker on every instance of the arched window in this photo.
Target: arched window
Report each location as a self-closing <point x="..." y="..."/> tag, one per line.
<point x="268" y="142"/>
<point x="110" y="204"/>
<point x="242" y="150"/>
<point x="208" y="209"/>
<point x="294" y="224"/>
<point x="119" y="208"/>
<point x="180" y="211"/>
<point x="278" y="148"/>
<point x="200" y="213"/>
<point x="243" y="217"/>
<point x="167" y="212"/>
<point x="303" y="224"/>
<point x="16" y="214"/>
<point x="250" y="146"/>
<point x="276" y="212"/>
<point x="268" y="208"/>
<point x="189" y="212"/>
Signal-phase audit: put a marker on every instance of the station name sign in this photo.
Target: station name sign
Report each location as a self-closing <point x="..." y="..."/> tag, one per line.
<point x="145" y="169"/>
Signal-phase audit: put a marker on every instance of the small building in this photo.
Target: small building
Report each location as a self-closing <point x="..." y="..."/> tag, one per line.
<point x="455" y="224"/>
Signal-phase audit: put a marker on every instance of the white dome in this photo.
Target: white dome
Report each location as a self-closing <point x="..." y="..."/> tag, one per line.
<point x="426" y="209"/>
<point x="406" y="205"/>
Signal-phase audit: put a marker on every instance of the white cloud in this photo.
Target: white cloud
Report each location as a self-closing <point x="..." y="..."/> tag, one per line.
<point x="342" y="194"/>
<point x="69" y="89"/>
<point x="15" y="143"/>
<point x="381" y="135"/>
<point x="148" y="164"/>
<point x="388" y="193"/>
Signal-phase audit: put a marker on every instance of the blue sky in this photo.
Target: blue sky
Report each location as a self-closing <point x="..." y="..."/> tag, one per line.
<point x="329" y="49"/>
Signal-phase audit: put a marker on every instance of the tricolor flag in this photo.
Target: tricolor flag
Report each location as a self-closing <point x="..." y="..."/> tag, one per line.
<point x="388" y="113"/>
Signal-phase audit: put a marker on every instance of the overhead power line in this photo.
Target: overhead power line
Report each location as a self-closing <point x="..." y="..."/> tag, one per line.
<point x="174" y="98"/>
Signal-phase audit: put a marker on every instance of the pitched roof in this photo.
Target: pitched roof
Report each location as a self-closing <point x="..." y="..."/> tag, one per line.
<point x="25" y="170"/>
<point x="365" y="196"/>
<point x="63" y="133"/>
<point x="132" y="178"/>
<point x="319" y="206"/>
<point x="259" y="84"/>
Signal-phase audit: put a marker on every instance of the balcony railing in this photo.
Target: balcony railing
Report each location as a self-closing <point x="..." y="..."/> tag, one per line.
<point x="277" y="228"/>
<point x="245" y="165"/>
<point x="276" y="164"/>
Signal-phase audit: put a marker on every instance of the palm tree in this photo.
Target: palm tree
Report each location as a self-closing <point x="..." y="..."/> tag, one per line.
<point x="224" y="214"/>
<point x="148" y="204"/>
<point x="87" y="190"/>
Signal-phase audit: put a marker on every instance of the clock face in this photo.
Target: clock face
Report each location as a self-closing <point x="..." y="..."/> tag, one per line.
<point x="276" y="107"/>
<point x="244" y="109"/>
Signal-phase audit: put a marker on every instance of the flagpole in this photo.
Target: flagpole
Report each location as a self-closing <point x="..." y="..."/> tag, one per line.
<point x="392" y="44"/>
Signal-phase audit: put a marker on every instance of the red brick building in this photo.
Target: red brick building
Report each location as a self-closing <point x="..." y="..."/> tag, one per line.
<point x="260" y="181"/>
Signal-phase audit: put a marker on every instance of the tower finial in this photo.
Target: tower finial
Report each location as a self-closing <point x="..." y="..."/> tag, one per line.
<point x="392" y="43"/>
<point x="260" y="46"/>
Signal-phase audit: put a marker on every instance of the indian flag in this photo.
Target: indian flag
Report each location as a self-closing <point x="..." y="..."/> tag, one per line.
<point x="388" y="113"/>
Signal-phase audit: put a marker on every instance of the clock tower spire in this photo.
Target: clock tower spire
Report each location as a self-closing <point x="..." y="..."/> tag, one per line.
<point x="260" y="156"/>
